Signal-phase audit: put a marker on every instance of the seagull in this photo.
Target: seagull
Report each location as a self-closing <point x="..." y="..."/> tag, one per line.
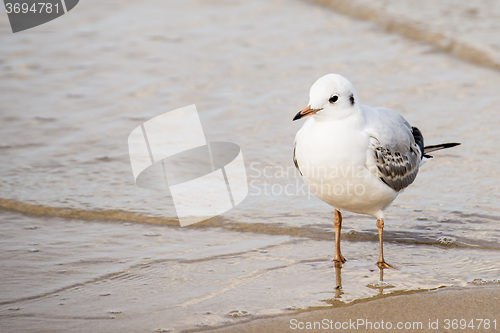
<point x="356" y="157"/>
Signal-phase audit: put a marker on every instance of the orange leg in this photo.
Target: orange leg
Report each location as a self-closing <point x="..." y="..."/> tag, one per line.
<point x="381" y="262"/>
<point x="337" y="222"/>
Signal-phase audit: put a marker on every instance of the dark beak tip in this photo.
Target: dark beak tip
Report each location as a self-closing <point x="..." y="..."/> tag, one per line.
<point x="297" y="116"/>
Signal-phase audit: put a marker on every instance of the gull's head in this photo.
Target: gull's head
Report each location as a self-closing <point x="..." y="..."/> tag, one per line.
<point x="331" y="97"/>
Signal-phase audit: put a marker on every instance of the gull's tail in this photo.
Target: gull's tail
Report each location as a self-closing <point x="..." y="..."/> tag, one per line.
<point x="430" y="149"/>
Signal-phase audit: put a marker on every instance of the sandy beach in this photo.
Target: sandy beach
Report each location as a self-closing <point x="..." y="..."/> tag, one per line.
<point x="433" y="311"/>
<point x="84" y="249"/>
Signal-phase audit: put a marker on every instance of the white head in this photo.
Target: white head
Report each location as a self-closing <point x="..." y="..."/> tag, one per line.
<point x="331" y="97"/>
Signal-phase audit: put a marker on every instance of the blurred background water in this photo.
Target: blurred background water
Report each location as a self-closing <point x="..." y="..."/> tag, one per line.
<point x="74" y="89"/>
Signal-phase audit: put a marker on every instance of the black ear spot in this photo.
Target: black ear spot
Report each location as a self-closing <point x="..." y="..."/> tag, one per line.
<point x="333" y="99"/>
<point x="351" y="99"/>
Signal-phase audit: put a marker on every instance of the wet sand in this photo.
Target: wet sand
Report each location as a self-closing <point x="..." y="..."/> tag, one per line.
<point x="85" y="250"/>
<point x="433" y="311"/>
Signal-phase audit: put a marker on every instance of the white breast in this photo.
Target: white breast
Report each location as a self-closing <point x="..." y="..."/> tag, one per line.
<point x="331" y="156"/>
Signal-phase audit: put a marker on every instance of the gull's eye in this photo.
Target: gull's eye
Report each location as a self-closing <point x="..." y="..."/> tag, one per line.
<point x="333" y="99"/>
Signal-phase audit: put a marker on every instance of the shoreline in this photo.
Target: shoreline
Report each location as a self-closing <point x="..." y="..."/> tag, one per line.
<point x="84" y="249"/>
<point x="426" y="311"/>
<point x="120" y="276"/>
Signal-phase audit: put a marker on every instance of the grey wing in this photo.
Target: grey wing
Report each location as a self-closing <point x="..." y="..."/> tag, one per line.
<point x="396" y="169"/>
<point x="394" y="153"/>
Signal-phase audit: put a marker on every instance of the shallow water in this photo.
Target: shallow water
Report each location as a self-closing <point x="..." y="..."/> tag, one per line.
<point x="64" y="273"/>
<point x="73" y="91"/>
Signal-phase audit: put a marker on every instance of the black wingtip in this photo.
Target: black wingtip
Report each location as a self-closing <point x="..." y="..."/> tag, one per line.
<point x="429" y="149"/>
<point x="451" y="144"/>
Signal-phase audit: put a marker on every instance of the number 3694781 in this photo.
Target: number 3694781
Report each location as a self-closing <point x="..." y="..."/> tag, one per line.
<point x="34" y="8"/>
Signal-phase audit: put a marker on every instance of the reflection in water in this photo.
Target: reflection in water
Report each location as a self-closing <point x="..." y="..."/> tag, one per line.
<point x="338" y="282"/>
<point x="380" y="285"/>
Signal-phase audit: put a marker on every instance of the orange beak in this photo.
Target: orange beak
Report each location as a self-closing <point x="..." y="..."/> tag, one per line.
<point x="306" y="112"/>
